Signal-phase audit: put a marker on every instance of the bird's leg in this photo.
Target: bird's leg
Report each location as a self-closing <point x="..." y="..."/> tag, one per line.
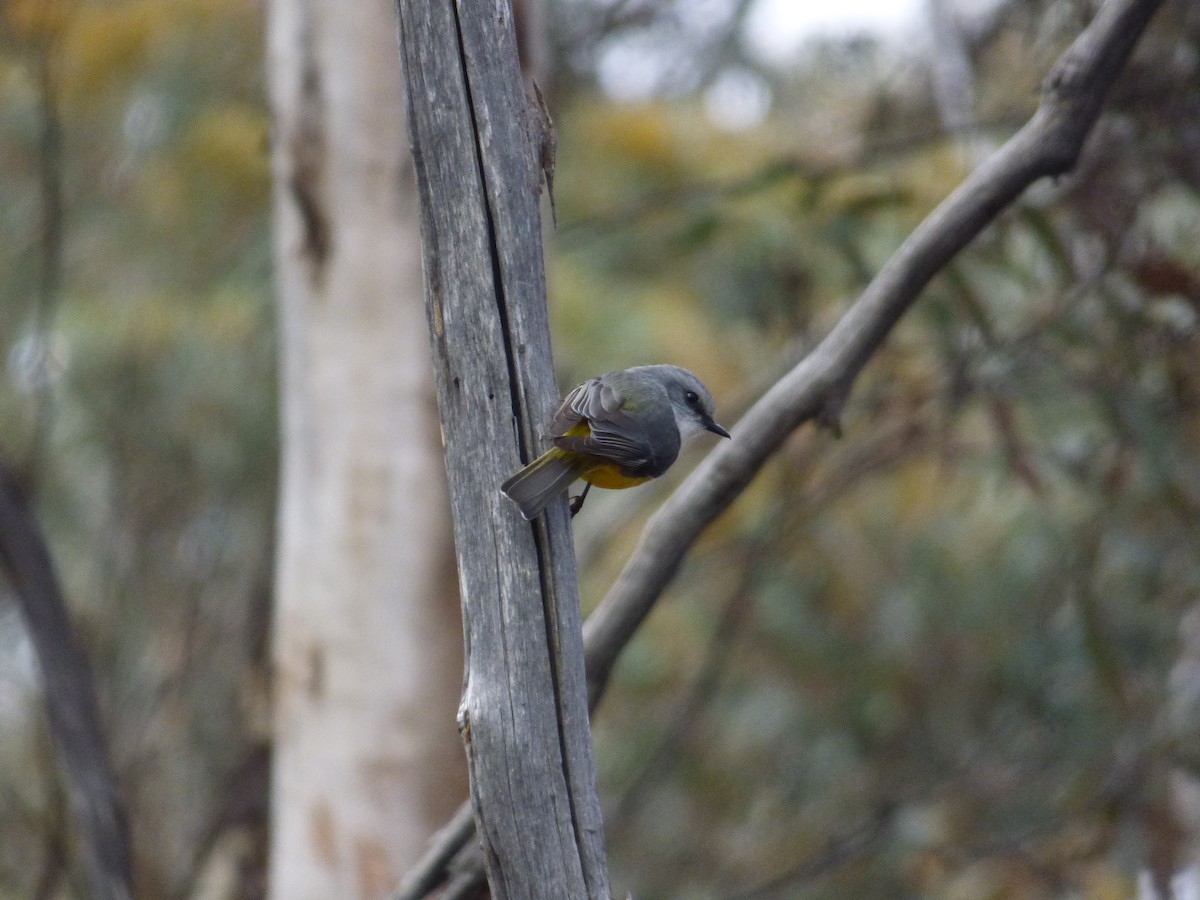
<point x="576" y="503"/>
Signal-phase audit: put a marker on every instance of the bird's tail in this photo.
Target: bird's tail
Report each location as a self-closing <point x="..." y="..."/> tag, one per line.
<point x="541" y="481"/>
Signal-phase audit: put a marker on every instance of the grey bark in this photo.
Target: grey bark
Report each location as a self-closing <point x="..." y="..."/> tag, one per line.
<point x="1049" y="144"/>
<point x="524" y="716"/>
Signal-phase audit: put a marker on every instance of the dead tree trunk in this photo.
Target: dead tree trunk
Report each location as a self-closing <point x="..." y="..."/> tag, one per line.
<point x="524" y="714"/>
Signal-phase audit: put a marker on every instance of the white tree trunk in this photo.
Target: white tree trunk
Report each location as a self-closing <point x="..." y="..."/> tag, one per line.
<point x="367" y="637"/>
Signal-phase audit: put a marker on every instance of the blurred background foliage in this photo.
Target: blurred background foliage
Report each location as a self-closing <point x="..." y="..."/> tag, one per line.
<point x="138" y="404"/>
<point x="951" y="654"/>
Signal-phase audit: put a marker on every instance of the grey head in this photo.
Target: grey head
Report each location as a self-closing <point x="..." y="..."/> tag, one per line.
<point x="691" y="401"/>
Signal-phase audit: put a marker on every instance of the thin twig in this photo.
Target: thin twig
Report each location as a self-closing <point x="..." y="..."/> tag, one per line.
<point x="433" y="868"/>
<point x="838" y="852"/>
<point x="684" y="719"/>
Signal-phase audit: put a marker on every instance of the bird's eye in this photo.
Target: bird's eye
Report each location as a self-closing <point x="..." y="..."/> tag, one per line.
<point x="691" y="398"/>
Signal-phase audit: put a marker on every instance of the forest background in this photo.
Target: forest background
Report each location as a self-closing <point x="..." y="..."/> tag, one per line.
<point x="953" y="652"/>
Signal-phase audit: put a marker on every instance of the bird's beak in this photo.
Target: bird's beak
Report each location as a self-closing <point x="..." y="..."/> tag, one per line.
<point x="715" y="428"/>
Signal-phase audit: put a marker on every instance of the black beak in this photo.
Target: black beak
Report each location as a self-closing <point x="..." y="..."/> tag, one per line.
<point x="715" y="428"/>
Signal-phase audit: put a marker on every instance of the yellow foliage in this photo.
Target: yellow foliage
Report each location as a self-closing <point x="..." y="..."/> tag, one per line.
<point x="916" y="491"/>
<point x="217" y="11"/>
<point x="149" y="325"/>
<point x="640" y="134"/>
<point x="854" y="191"/>
<point x="991" y="879"/>
<point x="681" y="327"/>
<point x="109" y="43"/>
<point x="1102" y="881"/>
<point x="931" y="175"/>
<point x="230" y="143"/>
<point x="163" y="192"/>
<point x="231" y="319"/>
<point x="37" y="20"/>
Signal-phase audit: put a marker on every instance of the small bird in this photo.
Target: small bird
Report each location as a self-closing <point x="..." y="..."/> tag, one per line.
<point x="617" y="430"/>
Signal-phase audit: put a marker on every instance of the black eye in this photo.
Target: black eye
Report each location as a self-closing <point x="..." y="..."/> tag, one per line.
<point x="691" y="398"/>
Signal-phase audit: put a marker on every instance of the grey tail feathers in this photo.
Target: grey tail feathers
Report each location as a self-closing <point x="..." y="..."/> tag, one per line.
<point x="538" y="483"/>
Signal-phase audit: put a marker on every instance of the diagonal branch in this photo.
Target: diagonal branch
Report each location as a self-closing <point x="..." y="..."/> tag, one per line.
<point x="1048" y="145"/>
<point x="71" y="702"/>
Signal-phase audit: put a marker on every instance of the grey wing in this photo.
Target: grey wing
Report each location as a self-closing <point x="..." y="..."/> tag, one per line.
<point x="568" y="414"/>
<point x="595" y="400"/>
<point x="613" y="436"/>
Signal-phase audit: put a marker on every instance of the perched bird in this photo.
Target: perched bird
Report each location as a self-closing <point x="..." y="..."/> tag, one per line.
<point x="617" y="430"/>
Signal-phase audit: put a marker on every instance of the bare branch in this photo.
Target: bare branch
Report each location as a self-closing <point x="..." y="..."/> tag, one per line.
<point x="1048" y="145"/>
<point x="70" y="696"/>
<point x="433" y="868"/>
<point x="523" y="716"/>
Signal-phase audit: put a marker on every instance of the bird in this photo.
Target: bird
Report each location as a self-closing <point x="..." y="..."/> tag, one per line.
<point x="615" y="431"/>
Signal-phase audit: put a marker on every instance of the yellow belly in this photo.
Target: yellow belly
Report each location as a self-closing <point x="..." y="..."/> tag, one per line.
<point x="610" y="478"/>
<point x="604" y="475"/>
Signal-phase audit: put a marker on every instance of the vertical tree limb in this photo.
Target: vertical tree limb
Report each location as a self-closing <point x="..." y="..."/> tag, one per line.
<point x="524" y="716"/>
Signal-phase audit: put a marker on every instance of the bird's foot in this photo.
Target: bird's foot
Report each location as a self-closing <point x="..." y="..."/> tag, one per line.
<point x="576" y="503"/>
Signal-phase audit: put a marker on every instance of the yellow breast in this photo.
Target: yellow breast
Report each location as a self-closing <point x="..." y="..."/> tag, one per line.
<point x="610" y="478"/>
<point x="605" y="475"/>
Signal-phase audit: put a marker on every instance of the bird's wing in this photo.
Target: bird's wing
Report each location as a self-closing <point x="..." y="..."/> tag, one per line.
<point x="596" y="400"/>
<point x="610" y="434"/>
<point x="567" y="416"/>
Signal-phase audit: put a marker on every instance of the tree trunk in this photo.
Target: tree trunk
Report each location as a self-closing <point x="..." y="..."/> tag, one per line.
<point x="367" y="637"/>
<point x="477" y="141"/>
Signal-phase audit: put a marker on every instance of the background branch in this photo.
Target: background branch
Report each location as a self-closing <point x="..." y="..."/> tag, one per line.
<point x="70" y="696"/>
<point x="1048" y="145"/>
